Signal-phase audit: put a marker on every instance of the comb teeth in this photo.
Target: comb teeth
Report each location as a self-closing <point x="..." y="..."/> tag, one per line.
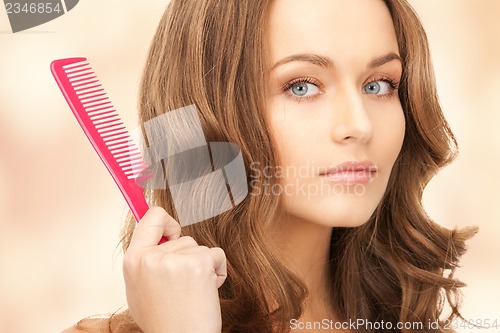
<point x="105" y="119"/>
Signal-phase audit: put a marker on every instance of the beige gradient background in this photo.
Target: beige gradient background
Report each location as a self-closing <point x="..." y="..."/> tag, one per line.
<point x="61" y="212"/>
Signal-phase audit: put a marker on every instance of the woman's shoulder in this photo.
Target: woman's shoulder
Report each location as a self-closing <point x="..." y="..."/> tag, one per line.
<point x="90" y="325"/>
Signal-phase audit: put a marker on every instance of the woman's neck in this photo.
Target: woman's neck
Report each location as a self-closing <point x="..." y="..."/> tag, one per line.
<point x="304" y="247"/>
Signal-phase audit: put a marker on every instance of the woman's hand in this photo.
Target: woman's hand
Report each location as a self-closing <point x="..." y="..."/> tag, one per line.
<point x="172" y="287"/>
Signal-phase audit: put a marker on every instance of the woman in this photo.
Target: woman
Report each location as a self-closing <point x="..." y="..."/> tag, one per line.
<point x="341" y="89"/>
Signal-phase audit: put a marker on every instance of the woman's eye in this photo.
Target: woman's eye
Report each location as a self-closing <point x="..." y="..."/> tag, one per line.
<point x="378" y="88"/>
<point x="304" y="89"/>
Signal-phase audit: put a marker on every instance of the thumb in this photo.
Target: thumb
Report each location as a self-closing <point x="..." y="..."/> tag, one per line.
<point x="154" y="226"/>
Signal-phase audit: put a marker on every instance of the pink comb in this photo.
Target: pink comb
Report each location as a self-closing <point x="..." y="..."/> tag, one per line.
<point x="104" y="128"/>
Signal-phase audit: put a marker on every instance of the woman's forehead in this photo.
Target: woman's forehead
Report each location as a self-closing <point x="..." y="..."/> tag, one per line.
<point x="343" y="30"/>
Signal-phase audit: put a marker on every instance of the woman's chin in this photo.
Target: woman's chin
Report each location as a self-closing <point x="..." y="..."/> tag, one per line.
<point x="335" y="217"/>
<point x="339" y="220"/>
<point x="341" y="211"/>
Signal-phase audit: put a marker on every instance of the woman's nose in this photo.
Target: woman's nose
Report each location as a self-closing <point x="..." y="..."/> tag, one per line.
<point x="350" y="118"/>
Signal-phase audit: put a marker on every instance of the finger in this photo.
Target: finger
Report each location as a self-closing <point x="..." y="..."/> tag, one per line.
<point x="220" y="264"/>
<point x="184" y="244"/>
<point x="154" y="224"/>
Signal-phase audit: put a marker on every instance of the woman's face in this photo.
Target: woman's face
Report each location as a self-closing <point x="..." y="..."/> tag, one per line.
<point x="334" y="108"/>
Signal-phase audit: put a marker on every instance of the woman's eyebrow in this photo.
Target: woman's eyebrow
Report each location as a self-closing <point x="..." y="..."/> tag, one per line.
<point x="314" y="59"/>
<point x="377" y="62"/>
<point x="327" y="62"/>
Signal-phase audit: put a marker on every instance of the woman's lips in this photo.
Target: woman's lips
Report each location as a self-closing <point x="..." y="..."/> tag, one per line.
<point x="351" y="173"/>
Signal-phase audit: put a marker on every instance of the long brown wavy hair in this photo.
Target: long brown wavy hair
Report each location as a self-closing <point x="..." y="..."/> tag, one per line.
<point x="397" y="267"/>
